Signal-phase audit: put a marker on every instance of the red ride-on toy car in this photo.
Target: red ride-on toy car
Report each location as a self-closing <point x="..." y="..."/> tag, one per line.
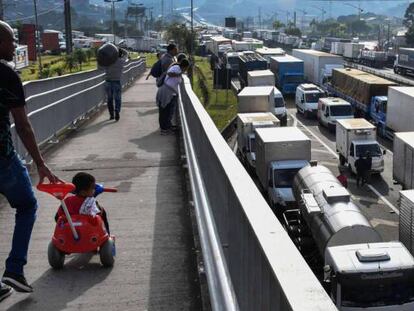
<point x="78" y="233"/>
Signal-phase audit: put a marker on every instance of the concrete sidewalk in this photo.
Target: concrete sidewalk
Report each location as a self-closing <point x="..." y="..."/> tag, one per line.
<point x="155" y="264"/>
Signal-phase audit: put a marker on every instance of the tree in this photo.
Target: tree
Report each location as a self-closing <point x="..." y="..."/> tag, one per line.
<point x="291" y="30"/>
<point x="277" y="25"/>
<point x="181" y="35"/>
<point x="70" y="62"/>
<point x="80" y="57"/>
<point x="409" y="23"/>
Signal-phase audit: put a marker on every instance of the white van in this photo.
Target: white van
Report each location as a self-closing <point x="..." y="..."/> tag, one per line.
<point x="332" y="109"/>
<point x="307" y="97"/>
<point x="280" y="106"/>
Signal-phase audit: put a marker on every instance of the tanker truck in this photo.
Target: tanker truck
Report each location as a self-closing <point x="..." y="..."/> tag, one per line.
<point x="358" y="269"/>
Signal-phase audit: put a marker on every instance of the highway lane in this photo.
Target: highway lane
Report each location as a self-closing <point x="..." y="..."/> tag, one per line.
<point x="379" y="200"/>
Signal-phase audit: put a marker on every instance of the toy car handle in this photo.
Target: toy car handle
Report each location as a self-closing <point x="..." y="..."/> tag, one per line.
<point x="100" y="188"/>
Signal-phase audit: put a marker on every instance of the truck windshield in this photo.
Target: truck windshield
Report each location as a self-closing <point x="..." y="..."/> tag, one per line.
<point x="293" y="79"/>
<point x="380" y="290"/>
<point x="313" y="97"/>
<point x="252" y="144"/>
<point x="279" y="102"/>
<point x="374" y="150"/>
<point x="284" y="177"/>
<point x="344" y="110"/>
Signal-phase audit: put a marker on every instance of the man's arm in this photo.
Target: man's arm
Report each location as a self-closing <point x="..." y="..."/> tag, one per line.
<point x="25" y="131"/>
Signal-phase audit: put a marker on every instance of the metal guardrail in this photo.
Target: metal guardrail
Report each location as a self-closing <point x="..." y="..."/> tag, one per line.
<point x="250" y="261"/>
<point x="56" y="103"/>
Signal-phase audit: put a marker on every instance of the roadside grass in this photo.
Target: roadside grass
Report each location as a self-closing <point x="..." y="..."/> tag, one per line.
<point x="151" y="59"/>
<point x="221" y="104"/>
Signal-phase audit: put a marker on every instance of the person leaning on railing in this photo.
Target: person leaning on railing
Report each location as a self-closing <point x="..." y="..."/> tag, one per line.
<point x="15" y="182"/>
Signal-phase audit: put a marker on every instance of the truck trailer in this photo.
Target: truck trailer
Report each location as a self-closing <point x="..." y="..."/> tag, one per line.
<point x="403" y="159"/>
<point x="318" y="65"/>
<point x="288" y="72"/>
<point x="280" y="153"/>
<point x="256" y="99"/>
<point x="404" y="62"/>
<point x="359" y="271"/>
<point x="359" y="88"/>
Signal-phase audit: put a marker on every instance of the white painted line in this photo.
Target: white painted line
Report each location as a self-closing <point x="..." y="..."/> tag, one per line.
<point x="377" y="193"/>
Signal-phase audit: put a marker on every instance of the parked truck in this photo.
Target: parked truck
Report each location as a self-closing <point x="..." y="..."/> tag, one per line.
<point x="306" y="99"/>
<point x="404" y="62"/>
<point x="318" y="65"/>
<point x="403" y="159"/>
<point x="394" y="113"/>
<point x="280" y="153"/>
<point x="354" y="138"/>
<point x="352" y="50"/>
<point x="359" y="88"/>
<point x="288" y="72"/>
<point x="267" y="78"/>
<point x="359" y="271"/>
<point x="256" y="99"/>
<point x="332" y="109"/>
<point x="247" y="123"/>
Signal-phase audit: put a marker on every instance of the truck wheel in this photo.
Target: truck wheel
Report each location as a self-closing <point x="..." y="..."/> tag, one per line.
<point x="55" y="257"/>
<point x="306" y="114"/>
<point x="106" y="253"/>
<point x="342" y="160"/>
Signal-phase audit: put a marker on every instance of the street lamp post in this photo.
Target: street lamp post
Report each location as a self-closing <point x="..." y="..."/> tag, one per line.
<point x="113" y="15"/>
<point x="39" y="56"/>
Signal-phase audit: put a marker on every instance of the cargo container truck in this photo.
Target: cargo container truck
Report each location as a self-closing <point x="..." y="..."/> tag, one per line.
<point x="250" y="62"/>
<point x="403" y="159"/>
<point x="260" y="78"/>
<point x="247" y="123"/>
<point x="359" y="88"/>
<point x="359" y="271"/>
<point x="354" y="138"/>
<point x="288" y="72"/>
<point x="394" y="113"/>
<point x="318" y="65"/>
<point x="256" y="99"/>
<point x="268" y="53"/>
<point x="352" y="50"/>
<point x="280" y="153"/>
<point x="404" y="62"/>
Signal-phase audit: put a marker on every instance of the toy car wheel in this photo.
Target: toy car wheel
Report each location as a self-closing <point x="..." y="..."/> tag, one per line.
<point x="106" y="253"/>
<point x="56" y="257"/>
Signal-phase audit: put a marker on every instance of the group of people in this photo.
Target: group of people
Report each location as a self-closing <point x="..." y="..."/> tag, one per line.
<point x="168" y="71"/>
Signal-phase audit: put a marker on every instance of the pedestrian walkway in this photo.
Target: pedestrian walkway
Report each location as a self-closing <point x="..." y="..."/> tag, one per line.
<point x="154" y="268"/>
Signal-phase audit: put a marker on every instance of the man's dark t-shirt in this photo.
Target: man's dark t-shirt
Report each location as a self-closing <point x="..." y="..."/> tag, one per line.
<point x="11" y="96"/>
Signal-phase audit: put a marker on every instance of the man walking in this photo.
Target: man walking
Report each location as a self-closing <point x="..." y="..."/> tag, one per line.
<point x="359" y="166"/>
<point x="168" y="58"/>
<point x="15" y="182"/>
<point x="113" y="87"/>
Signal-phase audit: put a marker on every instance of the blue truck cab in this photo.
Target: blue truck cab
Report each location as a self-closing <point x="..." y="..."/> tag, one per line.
<point x="288" y="71"/>
<point x="378" y="113"/>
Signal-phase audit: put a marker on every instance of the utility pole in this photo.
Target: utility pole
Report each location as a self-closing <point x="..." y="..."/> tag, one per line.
<point x="260" y="17"/>
<point x="1" y="10"/>
<point x="68" y="27"/>
<point x="113" y="15"/>
<point x="37" y="33"/>
<point x="162" y="11"/>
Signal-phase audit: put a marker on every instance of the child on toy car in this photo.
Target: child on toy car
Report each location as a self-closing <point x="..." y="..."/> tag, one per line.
<point x="83" y="202"/>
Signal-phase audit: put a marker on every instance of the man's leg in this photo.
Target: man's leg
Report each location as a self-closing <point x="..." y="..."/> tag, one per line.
<point x="17" y="188"/>
<point x="110" y="98"/>
<point x="117" y="91"/>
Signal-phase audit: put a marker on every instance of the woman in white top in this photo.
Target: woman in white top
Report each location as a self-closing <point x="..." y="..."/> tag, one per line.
<point x="167" y="94"/>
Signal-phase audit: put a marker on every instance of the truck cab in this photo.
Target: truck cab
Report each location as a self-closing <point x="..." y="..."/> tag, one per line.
<point x="331" y="109"/>
<point x="370" y="277"/>
<point x="280" y="107"/>
<point x="280" y="177"/>
<point x="378" y="113"/>
<point x="359" y="148"/>
<point x="307" y="98"/>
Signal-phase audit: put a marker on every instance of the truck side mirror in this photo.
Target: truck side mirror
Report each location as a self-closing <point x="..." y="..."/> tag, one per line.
<point x="384" y="152"/>
<point x="271" y="183"/>
<point x="326" y="114"/>
<point x="244" y="149"/>
<point x="302" y="100"/>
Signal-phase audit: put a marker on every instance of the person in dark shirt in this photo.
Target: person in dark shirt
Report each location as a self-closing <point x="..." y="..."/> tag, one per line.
<point x="15" y="182"/>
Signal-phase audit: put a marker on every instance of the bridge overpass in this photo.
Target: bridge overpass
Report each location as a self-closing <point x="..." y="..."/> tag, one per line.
<point x="187" y="213"/>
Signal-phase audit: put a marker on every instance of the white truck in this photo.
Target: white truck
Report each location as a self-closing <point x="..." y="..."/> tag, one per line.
<point x="267" y="78"/>
<point x="307" y="98"/>
<point x="247" y="123"/>
<point x="318" y="65"/>
<point x="354" y="138"/>
<point x="352" y="50"/>
<point x="403" y="159"/>
<point x="280" y="153"/>
<point x="332" y="109"/>
<point x="256" y="99"/>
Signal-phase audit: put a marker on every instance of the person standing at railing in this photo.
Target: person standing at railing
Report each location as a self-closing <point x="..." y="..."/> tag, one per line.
<point x="113" y="87"/>
<point x="15" y="182"/>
